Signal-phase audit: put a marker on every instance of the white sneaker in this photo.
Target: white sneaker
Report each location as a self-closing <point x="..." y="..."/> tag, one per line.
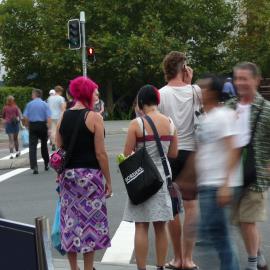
<point x="11" y="156"/>
<point x="18" y="154"/>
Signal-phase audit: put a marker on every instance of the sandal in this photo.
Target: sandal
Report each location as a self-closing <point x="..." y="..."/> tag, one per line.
<point x="191" y="268"/>
<point x="170" y="266"/>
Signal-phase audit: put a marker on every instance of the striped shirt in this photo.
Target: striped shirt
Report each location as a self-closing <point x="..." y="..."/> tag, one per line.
<point x="261" y="141"/>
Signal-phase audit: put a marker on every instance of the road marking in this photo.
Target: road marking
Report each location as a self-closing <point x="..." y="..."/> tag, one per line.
<point x="8" y="175"/>
<point x="122" y="245"/>
<point x="23" y="152"/>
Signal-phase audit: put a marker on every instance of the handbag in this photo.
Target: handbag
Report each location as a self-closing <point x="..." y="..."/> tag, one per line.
<point x="56" y="230"/>
<point x="248" y="153"/>
<point x="60" y="158"/>
<point x="171" y="187"/>
<point x="197" y="108"/>
<point x="140" y="174"/>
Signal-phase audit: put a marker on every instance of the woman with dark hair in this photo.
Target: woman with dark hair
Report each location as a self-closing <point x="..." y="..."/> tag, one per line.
<point x="84" y="221"/>
<point x="70" y="101"/>
<point x="217" y="171"/>
<point x="157" y="209"/>
<point x="11" y="115"/>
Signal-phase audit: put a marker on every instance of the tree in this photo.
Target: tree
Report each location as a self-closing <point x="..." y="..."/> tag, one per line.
<point x="130" y="37"/>
<point x="253" y="30"/>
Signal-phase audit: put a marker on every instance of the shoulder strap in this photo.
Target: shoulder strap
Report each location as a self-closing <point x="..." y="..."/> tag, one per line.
<point x="160" y="150"/>
<point x="74" y="136"/>
<point x="143" y="130"/>
<point x="256" y="121"/>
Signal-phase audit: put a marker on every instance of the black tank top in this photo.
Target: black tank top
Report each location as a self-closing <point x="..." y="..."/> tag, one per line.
<point x="83" y="154"/>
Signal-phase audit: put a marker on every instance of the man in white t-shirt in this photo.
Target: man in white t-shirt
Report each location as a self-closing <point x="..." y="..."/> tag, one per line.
<point x="177" y="101"/>
<point x="57" y="105"/>
<point x="253" y="124"/>
<point x="217" y="160"/>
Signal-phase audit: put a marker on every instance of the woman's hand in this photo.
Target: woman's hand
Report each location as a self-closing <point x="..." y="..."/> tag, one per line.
<point x="108" y="190"/>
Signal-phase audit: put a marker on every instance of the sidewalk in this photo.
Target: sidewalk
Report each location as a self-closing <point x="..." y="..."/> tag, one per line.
<point x="63" y="265"/>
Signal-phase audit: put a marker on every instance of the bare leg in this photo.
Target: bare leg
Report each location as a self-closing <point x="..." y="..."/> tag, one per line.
<point x="141" y="244"/>
<point x="189" y="232"/>
<point x="174" y="228"/>
<point x="161" y="242"/>
<point x="72" y="258"/>
<point x="251" y="238"/>
<point x="11" y="142"/>
<point x="88" y="260"/>
<point x="16" y="142"/>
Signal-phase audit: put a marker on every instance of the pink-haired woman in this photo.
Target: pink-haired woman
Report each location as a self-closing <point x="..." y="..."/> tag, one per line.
<point x="84" y="222"/>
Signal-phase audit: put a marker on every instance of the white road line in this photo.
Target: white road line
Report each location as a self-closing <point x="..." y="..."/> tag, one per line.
<point x="122" y="245"/>
<point x="8" y="175"/>
<point x="23" y="152"/>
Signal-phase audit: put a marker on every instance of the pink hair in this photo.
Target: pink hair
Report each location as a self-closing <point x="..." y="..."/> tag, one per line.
<point x="157" y="93"/>
<point x="82" y="89"/>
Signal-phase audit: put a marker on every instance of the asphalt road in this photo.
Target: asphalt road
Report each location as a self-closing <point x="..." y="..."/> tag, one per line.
<point x="26" y="196"/>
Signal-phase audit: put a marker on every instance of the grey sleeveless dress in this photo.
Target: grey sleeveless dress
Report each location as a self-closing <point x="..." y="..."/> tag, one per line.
<point x="159" y="206"/>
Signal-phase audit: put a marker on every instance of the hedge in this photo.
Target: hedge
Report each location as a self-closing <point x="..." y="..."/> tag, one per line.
<point x="22" y="95"/>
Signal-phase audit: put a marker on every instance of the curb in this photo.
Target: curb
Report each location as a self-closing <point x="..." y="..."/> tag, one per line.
<point x="62" y="264"/>
<point x="14" y="163"/>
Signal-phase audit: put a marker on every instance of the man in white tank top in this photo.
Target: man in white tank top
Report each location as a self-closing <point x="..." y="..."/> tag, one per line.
<point x="177" y="101"/>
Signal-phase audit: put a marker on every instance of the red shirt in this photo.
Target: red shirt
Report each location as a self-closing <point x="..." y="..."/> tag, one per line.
<point x="10" y="112"/>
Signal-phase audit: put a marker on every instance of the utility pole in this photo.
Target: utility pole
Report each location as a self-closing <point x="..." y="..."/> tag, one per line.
<point x="84" y="60"/>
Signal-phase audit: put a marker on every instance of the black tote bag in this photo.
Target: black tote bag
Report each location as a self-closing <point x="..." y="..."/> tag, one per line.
<point x="141" y="176"/>
<point x="248" y="154"/>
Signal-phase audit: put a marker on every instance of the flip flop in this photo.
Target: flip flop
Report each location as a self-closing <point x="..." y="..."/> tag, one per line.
<point x="170" y="266"/>
<point x="191" y="268"/>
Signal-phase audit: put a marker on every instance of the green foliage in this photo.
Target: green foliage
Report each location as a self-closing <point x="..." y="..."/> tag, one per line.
<point x="252" y="43"/>
<point x="22" y="95"/>
<point x="130" y="38"/>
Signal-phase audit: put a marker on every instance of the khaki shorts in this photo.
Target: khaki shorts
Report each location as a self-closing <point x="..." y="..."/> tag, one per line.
<point x="251" y="208"/>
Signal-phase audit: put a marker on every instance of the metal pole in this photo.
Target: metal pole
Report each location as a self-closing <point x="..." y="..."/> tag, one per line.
<point x="84" y="60"/>
<point x="43" y="244"/>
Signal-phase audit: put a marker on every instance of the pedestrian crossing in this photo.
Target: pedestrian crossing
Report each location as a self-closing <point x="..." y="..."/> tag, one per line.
<point x="122" y="248"/>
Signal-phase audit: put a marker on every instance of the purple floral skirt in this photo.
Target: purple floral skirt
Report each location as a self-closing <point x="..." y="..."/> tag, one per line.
<point x="84" y="221"/>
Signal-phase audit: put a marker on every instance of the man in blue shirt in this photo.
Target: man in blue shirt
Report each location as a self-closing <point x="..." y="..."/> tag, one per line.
<point x="37" y="116"/>
<point x="229" y="88"/>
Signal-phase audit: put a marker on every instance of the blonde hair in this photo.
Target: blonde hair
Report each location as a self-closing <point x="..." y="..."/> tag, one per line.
<point x="10" y="100"/>
<point x="59" y="89"/>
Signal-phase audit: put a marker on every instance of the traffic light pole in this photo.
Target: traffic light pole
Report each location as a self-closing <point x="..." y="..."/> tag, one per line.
<point x="84" y="60"/>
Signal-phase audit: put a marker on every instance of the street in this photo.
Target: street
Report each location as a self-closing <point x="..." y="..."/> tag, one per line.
<point x="25" y="196"/>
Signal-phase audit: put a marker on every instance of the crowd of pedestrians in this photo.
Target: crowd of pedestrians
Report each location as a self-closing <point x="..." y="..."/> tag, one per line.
<point x="218" y="155"/>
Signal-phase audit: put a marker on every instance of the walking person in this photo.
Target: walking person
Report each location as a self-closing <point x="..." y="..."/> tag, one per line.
<point x="158" y="208"/>
<point x="99" y="105"/>
<point x="177" y="100"/>
<point x="37" y="116"/>
<point x="84" y="221"/>
<point x="253" y="124"/>
<point x="217" y="165"/>
<point x="12" y="116"/>
<point x="57" y="106"/>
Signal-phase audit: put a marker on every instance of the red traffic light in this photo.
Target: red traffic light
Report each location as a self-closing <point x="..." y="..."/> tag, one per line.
<point x="90" y="51"/>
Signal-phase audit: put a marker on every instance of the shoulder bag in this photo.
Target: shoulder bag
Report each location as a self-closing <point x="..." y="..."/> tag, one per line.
<point x="248" y="154"/>
<point x="172" y="190"/>
<point x="140" y="174"/>
<point x="60" y="158"/>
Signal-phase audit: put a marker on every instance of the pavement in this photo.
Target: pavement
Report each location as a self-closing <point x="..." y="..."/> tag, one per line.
<point x="24" y="196"/>
<point x="63" y="265"/>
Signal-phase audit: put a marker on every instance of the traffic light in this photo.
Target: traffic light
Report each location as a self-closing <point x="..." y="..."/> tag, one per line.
<point x="91" y="54"/>
<point x="74" y="34"/>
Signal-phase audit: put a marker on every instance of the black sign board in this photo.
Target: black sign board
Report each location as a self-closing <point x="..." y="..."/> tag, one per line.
<point x="17" y="246"/>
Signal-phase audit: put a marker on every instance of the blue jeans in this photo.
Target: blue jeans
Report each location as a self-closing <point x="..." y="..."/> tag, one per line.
<point x="215" y="227"/>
